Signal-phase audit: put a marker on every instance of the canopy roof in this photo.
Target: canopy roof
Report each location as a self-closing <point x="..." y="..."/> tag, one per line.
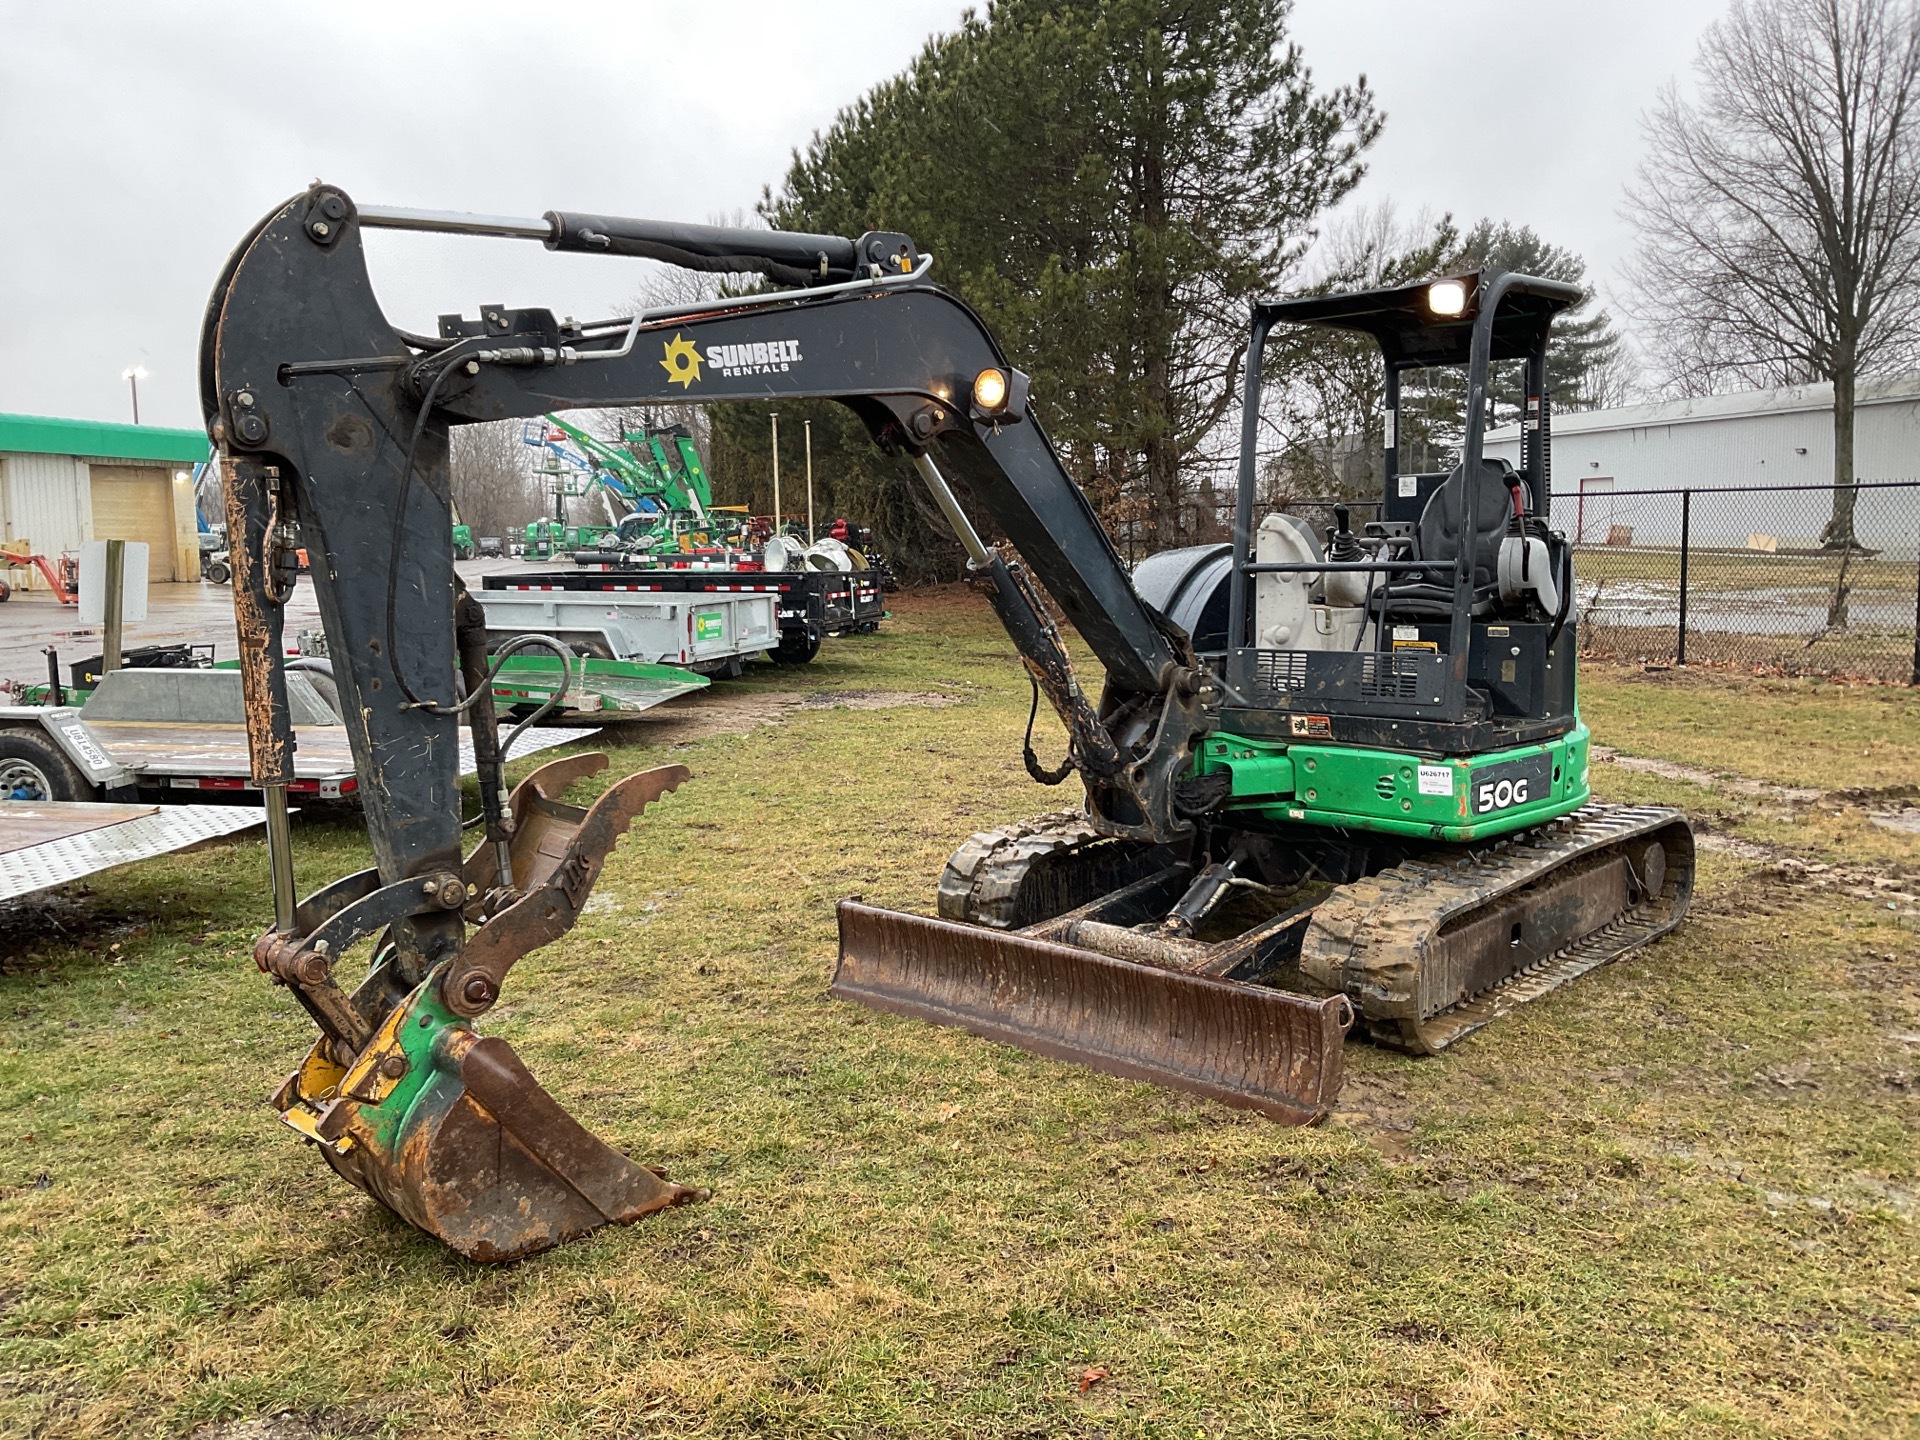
<point x="1411" y="335"/>
<point x="50" y="435"/>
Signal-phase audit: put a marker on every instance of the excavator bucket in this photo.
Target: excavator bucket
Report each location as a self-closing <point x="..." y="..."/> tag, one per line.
<point x="1247" y="1045"/>
<point x="448" y="1128"/>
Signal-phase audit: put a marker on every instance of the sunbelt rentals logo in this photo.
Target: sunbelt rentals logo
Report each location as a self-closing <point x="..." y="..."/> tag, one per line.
<point x="761" y="357"/>
<point x="681" y="362"/>
<point x="684" y="362"/>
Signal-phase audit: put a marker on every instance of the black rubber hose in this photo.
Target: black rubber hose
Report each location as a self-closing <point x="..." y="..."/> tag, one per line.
<point x="1045" y="777"/>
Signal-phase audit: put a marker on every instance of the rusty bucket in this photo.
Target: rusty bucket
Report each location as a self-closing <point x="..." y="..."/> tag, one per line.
<point x="444" y="1126"/>
<point x="452" y="1133"/>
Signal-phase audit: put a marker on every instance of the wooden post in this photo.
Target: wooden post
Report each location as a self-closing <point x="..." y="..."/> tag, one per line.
<point x="115" y="594"/>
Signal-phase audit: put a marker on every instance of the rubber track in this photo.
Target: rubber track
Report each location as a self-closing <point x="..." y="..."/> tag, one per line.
<point x="1369" y="938"/>
<point x="981" y="884"/>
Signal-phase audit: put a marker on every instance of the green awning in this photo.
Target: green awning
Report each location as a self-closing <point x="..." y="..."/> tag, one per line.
<point x="49" y="435"/>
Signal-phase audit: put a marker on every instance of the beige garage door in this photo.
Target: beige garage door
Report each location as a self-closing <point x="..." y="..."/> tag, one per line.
<point x="132" y="502"/>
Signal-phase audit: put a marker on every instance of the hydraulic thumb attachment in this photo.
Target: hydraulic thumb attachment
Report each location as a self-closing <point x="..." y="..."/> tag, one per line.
<point x="448" y="1128"/>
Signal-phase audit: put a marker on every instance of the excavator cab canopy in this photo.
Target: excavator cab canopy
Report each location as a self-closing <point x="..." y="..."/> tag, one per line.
<point x="1430" y="556"/>
<point x="1432" y="323"/>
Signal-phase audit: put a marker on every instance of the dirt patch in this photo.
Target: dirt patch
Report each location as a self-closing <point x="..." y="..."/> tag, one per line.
<point x="1738" y="784"/>
<point x="1783" y="878"/>
<point x="1721" y="844"/>
<point x="877" y="700"/>
<point x="735" y="712"/>
<point x="71" y="918"/>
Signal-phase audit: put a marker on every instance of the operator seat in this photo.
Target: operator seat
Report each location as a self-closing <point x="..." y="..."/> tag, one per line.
<point x="1439" y="537"/>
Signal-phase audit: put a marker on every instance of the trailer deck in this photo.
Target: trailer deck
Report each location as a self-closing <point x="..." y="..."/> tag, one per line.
<point x="153" y="732"/>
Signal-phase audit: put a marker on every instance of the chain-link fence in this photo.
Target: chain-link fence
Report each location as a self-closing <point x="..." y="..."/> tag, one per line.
<point x="1752" y="579"/>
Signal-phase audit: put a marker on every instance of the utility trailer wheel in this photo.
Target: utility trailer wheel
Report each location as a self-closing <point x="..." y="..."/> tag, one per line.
<point x="32" y="767"/>
<point x="796" y="647"/>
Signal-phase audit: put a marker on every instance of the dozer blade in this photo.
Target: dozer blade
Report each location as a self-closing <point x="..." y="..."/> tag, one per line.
<point x="449" y="1129"/>
<point x="1247" y="1045"/>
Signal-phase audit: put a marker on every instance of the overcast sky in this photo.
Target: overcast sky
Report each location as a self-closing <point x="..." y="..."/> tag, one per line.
<point x="138" y="141"/>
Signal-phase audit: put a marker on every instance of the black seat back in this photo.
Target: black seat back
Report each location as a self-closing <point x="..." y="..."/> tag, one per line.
<point x="1443" y="522"/>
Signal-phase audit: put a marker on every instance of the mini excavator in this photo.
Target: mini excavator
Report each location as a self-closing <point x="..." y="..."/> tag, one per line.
<point x="1329" y="780"/>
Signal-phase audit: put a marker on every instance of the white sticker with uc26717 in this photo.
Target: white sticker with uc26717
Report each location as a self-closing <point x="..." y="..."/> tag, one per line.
<point x="1516" y="783"/>
<point x="1436" y="780"/>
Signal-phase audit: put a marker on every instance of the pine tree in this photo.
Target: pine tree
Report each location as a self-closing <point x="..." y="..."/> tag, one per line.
<point x="1109" y="182"/>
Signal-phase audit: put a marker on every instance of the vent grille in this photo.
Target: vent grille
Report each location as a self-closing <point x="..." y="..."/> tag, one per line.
<point x="1383" y="787"/>
<point x="1389" y="677"/>
<point x="1280" y="672"/>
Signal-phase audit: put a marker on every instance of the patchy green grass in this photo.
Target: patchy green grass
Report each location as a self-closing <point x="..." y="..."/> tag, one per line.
<point x="1676" y="1199"/>
<point x="1735" y="572"/>
<point x="1795" y="732"/>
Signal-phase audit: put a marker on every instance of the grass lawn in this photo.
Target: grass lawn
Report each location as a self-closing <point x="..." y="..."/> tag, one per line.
<point x="1676" y="1199"/>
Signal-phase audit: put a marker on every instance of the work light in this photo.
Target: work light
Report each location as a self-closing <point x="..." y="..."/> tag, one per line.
<point x="1447" y="297"/>
<point x="990" y="390"/>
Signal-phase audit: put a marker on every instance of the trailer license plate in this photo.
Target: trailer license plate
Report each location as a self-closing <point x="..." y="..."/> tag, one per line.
<point x="1517" y="782"/>
<point x="83" y="742"/>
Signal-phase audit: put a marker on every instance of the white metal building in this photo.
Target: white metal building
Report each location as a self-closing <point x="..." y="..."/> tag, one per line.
<point x="65" y="482"/>
<point x="1770" y="438"/>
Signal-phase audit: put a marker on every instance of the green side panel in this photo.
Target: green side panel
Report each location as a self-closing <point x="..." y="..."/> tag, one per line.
<point x="49" y="435"/>
<point x="1453" y="800"/>
<point x="424" y="1018"/>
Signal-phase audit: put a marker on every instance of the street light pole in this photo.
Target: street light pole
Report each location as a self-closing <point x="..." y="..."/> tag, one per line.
<point x="133" y="375"/>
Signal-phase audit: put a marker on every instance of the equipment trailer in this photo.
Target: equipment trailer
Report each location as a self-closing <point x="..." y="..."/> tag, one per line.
<point x="1318" y="783"/>
<point x="813" y="604"/>
<point x="172" y="735"/>
<point x="710" y="631"/>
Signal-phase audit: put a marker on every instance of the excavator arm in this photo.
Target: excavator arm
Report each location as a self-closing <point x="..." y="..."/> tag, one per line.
<point x="306" y="375"/>
<point x="332" y="426"/>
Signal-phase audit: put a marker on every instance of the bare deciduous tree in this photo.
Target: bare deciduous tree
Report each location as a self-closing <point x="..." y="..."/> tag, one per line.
<point x="492" y="488"/>
<point x="1779" y="215"/>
